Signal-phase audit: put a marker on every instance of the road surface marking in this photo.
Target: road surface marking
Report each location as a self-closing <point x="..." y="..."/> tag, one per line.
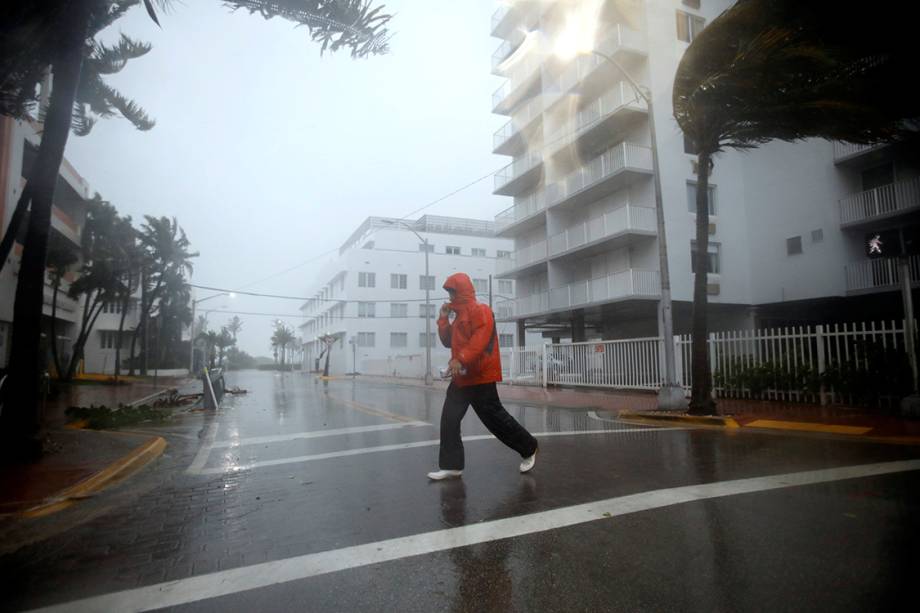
<point x="429" y="443"/>
<point x="236" y="580"/>
<point x="201" y="458"/>
<point x="807" y="426"/>
<point x="256" y="440"/>
<point x="365" y="408"/>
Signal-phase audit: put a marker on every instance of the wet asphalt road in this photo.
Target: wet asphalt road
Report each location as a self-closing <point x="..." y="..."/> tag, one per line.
<point x="327" y="483"/>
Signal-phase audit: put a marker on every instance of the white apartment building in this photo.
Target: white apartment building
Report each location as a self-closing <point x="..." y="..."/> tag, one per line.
<point x="19" y="140"/>
<point x="788" y="221"/>
<point x="371" y="297"/>
<point x="102" y="344"/>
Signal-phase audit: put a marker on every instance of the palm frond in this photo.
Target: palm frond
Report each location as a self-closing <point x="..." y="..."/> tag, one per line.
<point x="105" y="59"/>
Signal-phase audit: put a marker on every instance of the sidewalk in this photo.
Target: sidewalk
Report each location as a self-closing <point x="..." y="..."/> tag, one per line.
<point x="855" y="422"/>
<point x="82" y="462"/>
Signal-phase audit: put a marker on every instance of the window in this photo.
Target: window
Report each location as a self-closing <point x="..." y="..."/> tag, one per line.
<point x="366" y="309"/>
<point x="422" y="247"/>
<point x="399" y="309"/>
<point x="689" y="146"/>
<point x="688" y="26"/>
<point x="365" y="339"/>
<point x="504" y="312"/>
<point x="481" y="286"/>
<point x="505" y="286"/>
<point x="691" y="198"/>
<point x="505" y="340"/>
<point x="714" y="265"/>
<point x="109" y="339"/>
<point x="452" y="250"/>
<point x="367" y="279"/>
<point x="421" y="339"/>
<point x="817" y="236"/>
<point x="426" y="310"/>
<point x="426" y="282"/>
<point x="478" y="253"/>
<point x="503" y="254"/>
<point x="398" y="281"/>
<point x="399" y="339"/>
<point x="794" y="245"/>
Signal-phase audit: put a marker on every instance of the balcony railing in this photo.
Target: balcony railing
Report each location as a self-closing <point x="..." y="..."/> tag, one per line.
<point x="619" y="38"/>
<point x="879" y="274"/>
<point x="500" y="14"/>
<point x="843" y="151"/>
<point x="613" y="161"/>
<point x="522" y="257"/>
<point x="523" y="208"/>
<point x="517" y="168"/>
<point x="521" y="120"/>
<point x="520" y="74"/>
<point x="620" y="96"/>
<point x="535" y="303"/>
<point x="619" y="285"/>
<point x="880" y="202"/>
<point x="621" y="221"/>
<point x="501" y="54"/>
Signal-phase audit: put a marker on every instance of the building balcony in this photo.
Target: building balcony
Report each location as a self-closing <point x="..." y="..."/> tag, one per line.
<point x="67" y="308"/>
<point x="845" y="153"/>
<point x="522" y="75"/>
<point x="512" y="14"/>
<point x="879" y="275"/>
<point x="880" y="204"/>
<point x="512" y="137"/>
<point x="579" y="75"/>
<point x="612" y="170"/>
<point x="595" y="123"/>
<point x="526" y="213"/>
<point x="522" y="260"/>
<point x="604" y="232"/>
<point x="520" y="174"/>
<point x="65" y="225"/>
<point x="625" y="285"/>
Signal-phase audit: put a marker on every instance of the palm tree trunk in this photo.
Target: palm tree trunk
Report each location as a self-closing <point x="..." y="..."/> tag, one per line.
<point x="54" y="349"/>
<point x="89" y="320"/>
<point x="20" y="424"/>
<point x="701" y="402"/>
<point x="121" y="326"/>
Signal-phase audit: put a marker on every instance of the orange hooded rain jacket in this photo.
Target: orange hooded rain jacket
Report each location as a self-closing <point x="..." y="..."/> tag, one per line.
<point x="472" y="338"/>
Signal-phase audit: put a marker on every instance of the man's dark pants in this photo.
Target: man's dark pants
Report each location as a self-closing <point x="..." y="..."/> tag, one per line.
<point x="485" y="401"/>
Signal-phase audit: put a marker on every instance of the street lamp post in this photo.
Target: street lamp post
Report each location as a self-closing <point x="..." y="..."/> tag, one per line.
<point x="427" y="298"/>
<point x="191" y="334"/>
<point x="671" y="394"/>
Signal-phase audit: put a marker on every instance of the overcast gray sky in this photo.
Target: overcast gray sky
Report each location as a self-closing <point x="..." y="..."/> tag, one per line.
<point x="268" y="154"/>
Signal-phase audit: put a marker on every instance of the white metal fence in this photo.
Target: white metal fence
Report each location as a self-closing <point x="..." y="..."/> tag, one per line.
<point x="822" y="363"/>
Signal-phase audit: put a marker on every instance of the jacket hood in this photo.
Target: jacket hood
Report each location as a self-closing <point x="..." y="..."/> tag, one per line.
<point x="461" y="284"/>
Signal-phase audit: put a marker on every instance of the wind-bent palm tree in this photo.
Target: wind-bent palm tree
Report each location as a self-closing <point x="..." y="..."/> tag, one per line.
<point x="224" y="340"/>
<point x="37" y="37"/>
<point x="60" y="261"/>
<point x="168" y="255"/>
<point x="281" y="338"/>
<point x="783" y="69"/>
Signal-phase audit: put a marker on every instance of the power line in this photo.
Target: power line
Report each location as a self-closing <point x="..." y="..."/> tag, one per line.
<point x="302" y="299"/>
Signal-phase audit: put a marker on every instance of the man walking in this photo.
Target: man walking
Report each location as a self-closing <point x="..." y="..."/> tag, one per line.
<point x="475" y="367"/>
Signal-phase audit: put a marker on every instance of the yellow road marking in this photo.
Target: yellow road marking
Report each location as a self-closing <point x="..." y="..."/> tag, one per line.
<point x="369" y="410"/>
<point x="807" y="427"/>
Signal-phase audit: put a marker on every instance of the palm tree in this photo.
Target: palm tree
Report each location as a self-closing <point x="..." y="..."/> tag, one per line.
<point x="60" y="261"/>
<point x="781" y="69"/>
<point x="132" y="264"/>
<point x="281" y="338"/>
<point x="99" y="280"/>
<point x="168" y="255"/>
<point x="51" y="36"/>
<point x="224" y="340"/>
<point x="234" y="326"/>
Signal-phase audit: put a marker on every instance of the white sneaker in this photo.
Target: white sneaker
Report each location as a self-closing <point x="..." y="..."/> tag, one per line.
<point x="528" y="463"/>
<point x="438" y="475"/>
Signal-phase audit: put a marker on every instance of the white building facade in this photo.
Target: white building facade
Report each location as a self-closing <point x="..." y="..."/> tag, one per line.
<point x="19" y="141"/>
<point x="788" y="221"/>
<point x="371" y="298"/>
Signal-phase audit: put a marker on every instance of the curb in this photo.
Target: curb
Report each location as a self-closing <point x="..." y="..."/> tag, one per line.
<point x="120" y="469"/>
